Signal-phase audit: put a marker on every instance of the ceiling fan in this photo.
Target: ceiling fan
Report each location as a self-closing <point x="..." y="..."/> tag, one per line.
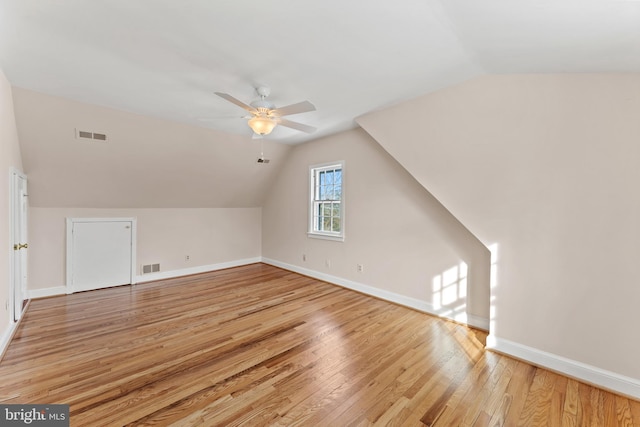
<point x="265" y="116"/>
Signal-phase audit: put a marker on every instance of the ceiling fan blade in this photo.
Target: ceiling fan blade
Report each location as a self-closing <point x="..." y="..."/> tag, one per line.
<point x="300" y="107"/>
<point x="296" y="126"/>
<point x="239" y="103"/>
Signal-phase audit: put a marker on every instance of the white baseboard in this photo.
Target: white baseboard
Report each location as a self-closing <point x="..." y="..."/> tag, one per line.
<point x="46" y="292"/>
<point x="62" y="290"/>
<point x="194" y="270"/>
<point x="580" y="371"/>
<point x="6" y="338"/>
<point x="406" y="301"/>
<point x="8" y="334"/>
<point x="478" y="322"/>
<point x="414" y="303"/>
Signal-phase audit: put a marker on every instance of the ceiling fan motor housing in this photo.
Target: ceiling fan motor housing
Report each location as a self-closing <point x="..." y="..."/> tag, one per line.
<point x="262" y="104"/>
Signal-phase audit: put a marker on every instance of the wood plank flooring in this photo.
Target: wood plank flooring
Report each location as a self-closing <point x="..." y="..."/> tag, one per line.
<point x="257" y="345"/>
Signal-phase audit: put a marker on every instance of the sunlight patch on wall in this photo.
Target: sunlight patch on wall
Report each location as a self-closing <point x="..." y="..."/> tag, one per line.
<point x="493" y="284"/>
<point x="449" y="297"/>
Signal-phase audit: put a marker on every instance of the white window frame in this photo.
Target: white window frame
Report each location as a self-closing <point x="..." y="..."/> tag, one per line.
<point x="312" y="231"/>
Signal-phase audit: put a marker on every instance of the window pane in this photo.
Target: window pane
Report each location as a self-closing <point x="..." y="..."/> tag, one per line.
<point x="335" y="209"/>
<point x="329" y="176"/>
<point x="326" y="192"/>
<point x="335" y="225"/>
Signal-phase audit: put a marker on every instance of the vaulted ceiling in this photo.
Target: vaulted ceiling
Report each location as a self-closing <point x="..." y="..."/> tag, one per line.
<point x="165" y="59"/>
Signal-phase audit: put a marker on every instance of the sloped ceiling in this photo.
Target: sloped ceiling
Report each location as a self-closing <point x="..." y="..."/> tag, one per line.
<point x="144" y="163"/>
<point x="165" y="58"/>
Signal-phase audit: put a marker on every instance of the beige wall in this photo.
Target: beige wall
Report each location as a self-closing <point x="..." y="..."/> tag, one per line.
<point x="194" y="191"/>
<point x="397" y="230"/>
<point x="209" y="236"/>
<point x="547" y="168"/>
<point x="9" y="158"/>
<point x="145" y="163"/>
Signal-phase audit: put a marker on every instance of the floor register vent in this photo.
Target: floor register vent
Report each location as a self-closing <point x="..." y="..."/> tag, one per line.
<point x="150" y="268"/>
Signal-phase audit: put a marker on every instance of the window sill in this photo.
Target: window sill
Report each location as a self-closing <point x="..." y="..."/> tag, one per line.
<point x="325" y="237"/>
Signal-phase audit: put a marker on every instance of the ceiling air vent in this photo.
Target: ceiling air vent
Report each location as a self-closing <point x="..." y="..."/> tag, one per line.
<point x="83" y="134"/>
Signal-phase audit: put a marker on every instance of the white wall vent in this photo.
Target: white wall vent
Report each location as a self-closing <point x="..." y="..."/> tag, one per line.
<point x="150" y="268"/>
<point x="83" y="134"/>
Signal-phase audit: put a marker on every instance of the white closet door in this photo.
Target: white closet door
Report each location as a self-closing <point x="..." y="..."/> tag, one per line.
<point x="20" y="207"/>
<point x="101" y="254"/>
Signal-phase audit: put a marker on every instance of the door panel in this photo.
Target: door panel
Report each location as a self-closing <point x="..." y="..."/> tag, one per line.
<point x="20" y="207"/>
<point x="101" y="254"/>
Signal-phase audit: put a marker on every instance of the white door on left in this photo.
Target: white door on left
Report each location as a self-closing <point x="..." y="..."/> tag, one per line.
<point x="101" y="254"/>
<point x="19" y="208"/>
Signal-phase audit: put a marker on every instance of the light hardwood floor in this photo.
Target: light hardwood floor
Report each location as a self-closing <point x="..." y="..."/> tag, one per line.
<point x="257" y="345"/>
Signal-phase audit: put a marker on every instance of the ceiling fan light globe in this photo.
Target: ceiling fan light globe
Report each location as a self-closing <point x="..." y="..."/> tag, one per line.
<point x="262" y="125"/>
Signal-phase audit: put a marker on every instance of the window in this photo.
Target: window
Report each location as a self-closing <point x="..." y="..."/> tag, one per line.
<point x="326" y="212"/>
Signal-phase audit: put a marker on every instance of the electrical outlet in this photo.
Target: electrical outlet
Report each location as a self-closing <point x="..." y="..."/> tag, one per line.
<point x="304" y="257"/>
<point x="327" y="263"/>
<point x="187" y="257"/>
<point x="360" y="268"/>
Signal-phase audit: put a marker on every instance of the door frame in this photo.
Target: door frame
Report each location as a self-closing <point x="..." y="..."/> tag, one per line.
<point x="15" y="202"/>
<point x="69" y="265"/>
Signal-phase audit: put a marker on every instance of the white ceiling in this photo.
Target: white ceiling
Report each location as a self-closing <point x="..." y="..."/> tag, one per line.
<point x="165" y="58"/>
